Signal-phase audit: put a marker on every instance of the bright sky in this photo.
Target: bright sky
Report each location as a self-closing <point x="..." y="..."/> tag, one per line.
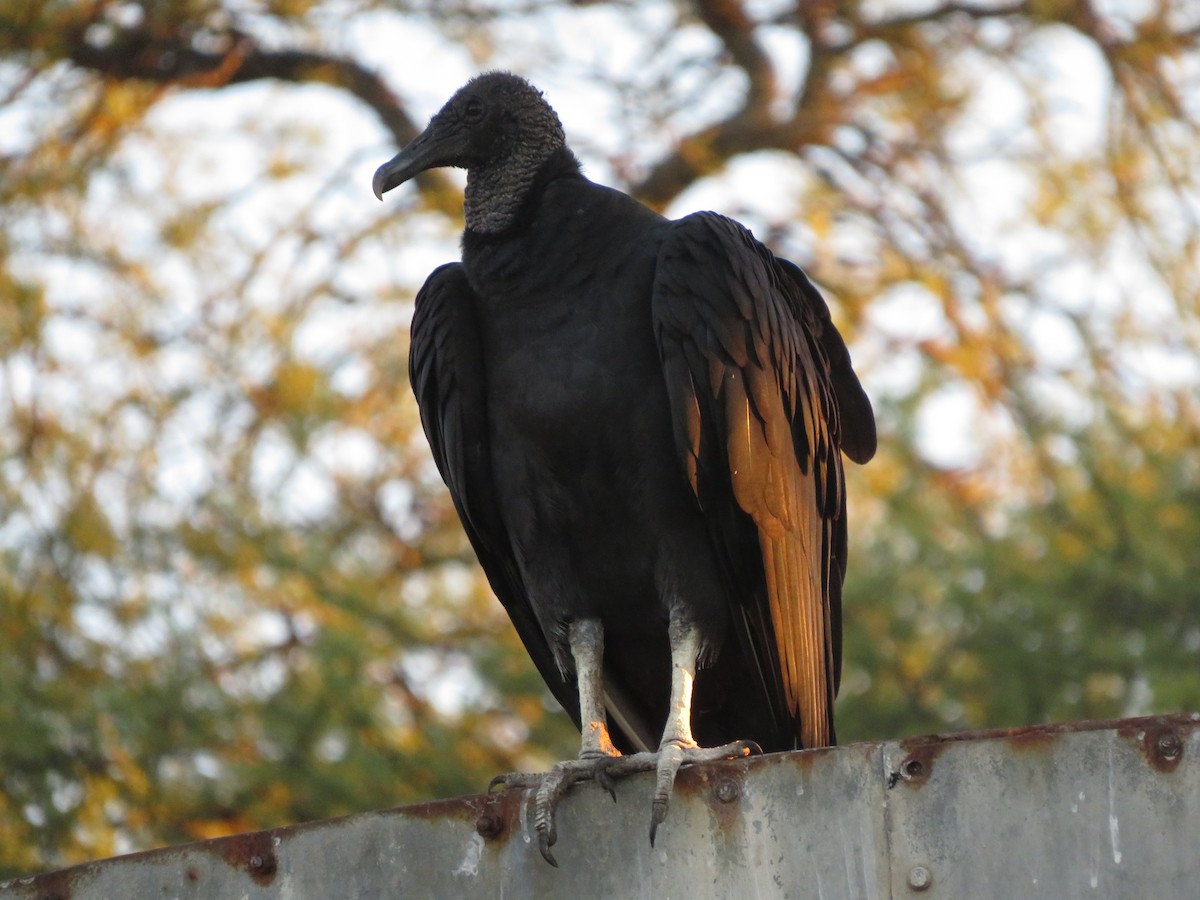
<point x="217" y="150"/>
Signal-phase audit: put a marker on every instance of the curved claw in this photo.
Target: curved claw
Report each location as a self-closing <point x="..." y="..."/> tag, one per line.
<point x="602" y="777"/>
<point x="553" y="786"/>
<point x="514" y="780"/>
<point x="658" y="815"/>
<point x="671" y="756"/>
<point x="543" y="812"/>
<point x="545" y="842"/>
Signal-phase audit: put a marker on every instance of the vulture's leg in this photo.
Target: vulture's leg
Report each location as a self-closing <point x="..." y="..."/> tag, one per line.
<point x="598" y="758"/>
<point x="678" y="746"/>
<point x="586" y="640"/>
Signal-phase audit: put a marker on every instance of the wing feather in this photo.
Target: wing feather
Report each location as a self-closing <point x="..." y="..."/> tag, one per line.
<point x="446" y="373"/>
<point x="756" y="374"/>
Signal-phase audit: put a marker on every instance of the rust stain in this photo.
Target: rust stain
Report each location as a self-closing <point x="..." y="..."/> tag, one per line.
<point x="456" y="809"/>
<point x="59" y="885"/>
<point x="498" y="814"/>
<point x="55" y="886"/>
<point x="1034" y="733"/>
<point x="495" y="816"/>
<point x="698" y="778"/>
<point x="921" y="752"/>
<point x="1033" y="740"/>
<point x="1162" y="739"/>
<point x="930" y="744"/>
<point x="807" y="760"/>
<point x="719" y="786"/>
<point x="1162" y="743"/>
<point x="917" y="766"/>
<point x="253" y="853"/>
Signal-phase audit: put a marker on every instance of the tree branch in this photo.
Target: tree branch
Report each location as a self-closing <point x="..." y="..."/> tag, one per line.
<point x="817" y="110"/>
<point x="727" y="19"/>
<point x="750" y="128"/>
<point x="138" y="54"/>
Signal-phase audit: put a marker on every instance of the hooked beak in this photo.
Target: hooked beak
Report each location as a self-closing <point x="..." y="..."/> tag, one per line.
<point x="433" y="147"/>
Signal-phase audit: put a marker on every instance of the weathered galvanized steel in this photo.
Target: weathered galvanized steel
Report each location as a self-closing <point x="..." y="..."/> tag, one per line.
<point x="1089" y="810"/>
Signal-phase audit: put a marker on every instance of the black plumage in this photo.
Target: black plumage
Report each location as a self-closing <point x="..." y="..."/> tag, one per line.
<point x="640" y="422"/>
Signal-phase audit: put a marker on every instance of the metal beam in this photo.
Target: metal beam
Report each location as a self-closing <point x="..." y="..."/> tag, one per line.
<point x="1099" y="809"/>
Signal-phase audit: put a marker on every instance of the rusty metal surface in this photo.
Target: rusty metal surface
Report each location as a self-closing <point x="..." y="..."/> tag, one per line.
<point x="1109" y="809"/>
<point x="1111" y="812"/>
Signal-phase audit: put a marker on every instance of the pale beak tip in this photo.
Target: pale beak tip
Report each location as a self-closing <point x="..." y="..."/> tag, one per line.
<point x="377" y="183"/>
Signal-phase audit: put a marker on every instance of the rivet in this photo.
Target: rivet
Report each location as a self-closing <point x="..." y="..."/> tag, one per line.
<point x="1168" y="744"/>
<point x="912" y="768"/>
<point x="919" y="878"/>
<point x="727" y="790"/>
<point x="263" y="864"/>
<point x="489" y="826"/>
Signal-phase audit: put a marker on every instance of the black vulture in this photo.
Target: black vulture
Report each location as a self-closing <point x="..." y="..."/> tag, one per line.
<point x="640" y="422"/>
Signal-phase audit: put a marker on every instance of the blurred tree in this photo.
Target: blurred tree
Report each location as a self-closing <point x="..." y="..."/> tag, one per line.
<point x="232" y="592"/>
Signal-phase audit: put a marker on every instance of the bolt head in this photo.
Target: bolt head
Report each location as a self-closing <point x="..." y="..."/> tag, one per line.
<point x="727" y="790"/>
<point x="262" y="863"/>
<point x="489" y="826"/>
<point x="919" y="878"/>
<point x="1169" y="745"/>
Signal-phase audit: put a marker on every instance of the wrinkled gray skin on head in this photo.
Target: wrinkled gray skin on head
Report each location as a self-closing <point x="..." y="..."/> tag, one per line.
<point x="500" y="129"/>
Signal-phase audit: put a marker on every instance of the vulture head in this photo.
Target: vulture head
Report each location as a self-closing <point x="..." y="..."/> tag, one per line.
<point x="500" y="129"/>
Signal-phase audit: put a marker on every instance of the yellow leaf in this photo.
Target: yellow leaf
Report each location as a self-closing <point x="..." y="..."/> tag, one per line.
<point x="296" y="387"/>
<point x="88" y="528"/>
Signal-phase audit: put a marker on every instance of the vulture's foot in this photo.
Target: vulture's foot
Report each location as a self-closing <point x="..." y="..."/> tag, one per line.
<point x="671" y="756"/>
<point x="553" y="784"/>
<point x="602" y="769"/>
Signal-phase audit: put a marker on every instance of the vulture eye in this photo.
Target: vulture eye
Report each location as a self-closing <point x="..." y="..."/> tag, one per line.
<point x="474" y="110"/>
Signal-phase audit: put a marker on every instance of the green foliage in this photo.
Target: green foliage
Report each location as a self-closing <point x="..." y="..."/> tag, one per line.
<point x="1082" y="605"/>
<point x="233" y="593"/>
